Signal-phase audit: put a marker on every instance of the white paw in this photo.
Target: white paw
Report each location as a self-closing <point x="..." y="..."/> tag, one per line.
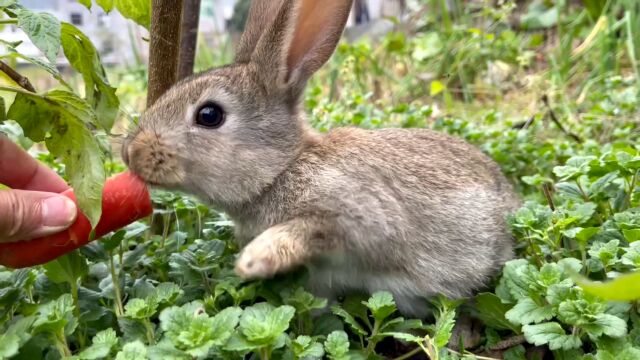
<point x="256" y="262"/>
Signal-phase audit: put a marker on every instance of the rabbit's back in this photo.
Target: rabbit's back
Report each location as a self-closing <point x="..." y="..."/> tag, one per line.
<point x="414" y="212"/>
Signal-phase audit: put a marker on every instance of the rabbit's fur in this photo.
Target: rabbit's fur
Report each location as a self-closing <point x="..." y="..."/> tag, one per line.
<point x="414" y="212"/>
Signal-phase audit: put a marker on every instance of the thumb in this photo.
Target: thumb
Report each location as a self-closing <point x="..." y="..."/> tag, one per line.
<point x="25" y="215"/>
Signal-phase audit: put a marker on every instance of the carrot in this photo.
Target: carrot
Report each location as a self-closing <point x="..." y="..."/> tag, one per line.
<point x="125" y="199"/>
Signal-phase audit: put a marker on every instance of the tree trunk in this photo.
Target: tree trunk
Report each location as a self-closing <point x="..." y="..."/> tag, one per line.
<point x="164" y="47"/>
<point x="188" y="37"/>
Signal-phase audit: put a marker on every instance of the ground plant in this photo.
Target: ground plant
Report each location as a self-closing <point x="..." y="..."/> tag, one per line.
<point x="549" y="88"/>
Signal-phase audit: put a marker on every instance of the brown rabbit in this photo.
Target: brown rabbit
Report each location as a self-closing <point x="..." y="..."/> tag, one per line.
<point x="414" y="212"/>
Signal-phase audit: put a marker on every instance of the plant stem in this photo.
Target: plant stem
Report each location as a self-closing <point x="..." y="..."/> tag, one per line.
<point x="151" y="338"/>
<point x="116" y="287"/>
<point x="61" y="344"/>
<point x="8" y="21"/>
<point x="409" y="354"/>
<point x="372" y="344"/>
<point x="15" y="76"/>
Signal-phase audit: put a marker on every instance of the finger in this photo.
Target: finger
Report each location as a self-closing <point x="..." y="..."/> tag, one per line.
<point x="19" y="170"/>
<point x="25" y="215"/>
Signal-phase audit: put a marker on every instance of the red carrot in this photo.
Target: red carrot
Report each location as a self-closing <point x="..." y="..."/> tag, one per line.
<point x="125" y="199"/>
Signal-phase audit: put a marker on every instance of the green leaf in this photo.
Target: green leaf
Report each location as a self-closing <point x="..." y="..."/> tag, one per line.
<point x="262" y="323"/>
<point x="69" y="139"/>
<point x="381" y="305"/>
<point x="491" y="310"/>
<point x="167" y="293"/>
<point x="611" y="325"/>
<point x="527" y="311"/>
<point x="18" y="334"/>
<point x="106" y="5"/>
<point x="68" y="268"/>
<point x="86" y="3"/>
<point x="133" y="351"/>
<point x="337" y="345"/>
<point x="303" y="301"/>
<point x="56" y="316"/>
<point x="190" y="329"/>
<point x="103" y="344"/>
<point x="445" y="321"/>
<point x="304" y="347"/>
<point x="631" y="235"/>
<point x="43" y="30"/>
<point x="625" y="287"/>
<point x="5" y="3"/>
<point x="552" y="334"/>
<point x="84" y="58"/>
<point x="349" y="319"/>
<point x="136" y="10"/>
<point x="140" y="309"/>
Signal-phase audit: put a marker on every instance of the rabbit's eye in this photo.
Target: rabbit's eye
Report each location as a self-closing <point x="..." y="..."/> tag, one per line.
<point x="210" y="115"/>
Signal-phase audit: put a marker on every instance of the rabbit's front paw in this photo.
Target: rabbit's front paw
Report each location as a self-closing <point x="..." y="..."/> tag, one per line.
<point x="255" y="262"/>
<point x="274" y="251"/>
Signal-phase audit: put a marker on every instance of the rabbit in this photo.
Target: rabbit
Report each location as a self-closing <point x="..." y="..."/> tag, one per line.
<point x="411" y="211"/>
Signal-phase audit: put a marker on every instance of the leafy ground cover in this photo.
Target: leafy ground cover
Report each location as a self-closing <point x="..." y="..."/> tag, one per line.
<point x="554" y="99"/>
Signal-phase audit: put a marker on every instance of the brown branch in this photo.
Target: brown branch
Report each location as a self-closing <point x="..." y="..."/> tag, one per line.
<point x="188" y="37"/>
<point x="15" y="76"/>
<point x="554" y="118"/>
<point x="508" y="343"/>
<point x="164" y="47"/>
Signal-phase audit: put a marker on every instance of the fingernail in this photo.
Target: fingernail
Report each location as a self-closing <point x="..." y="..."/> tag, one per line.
<point x="58" y="211"/>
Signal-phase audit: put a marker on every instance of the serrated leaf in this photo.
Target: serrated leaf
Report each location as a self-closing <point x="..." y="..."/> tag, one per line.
<point x="337" y="345"/>
<point x="132" y="351"/>
<point x="552" y="334"/>
<point x="140" y="309"/>
<point x="350" y="320"/>
<point x="56" y="316"/>
<point x="43" y="30"/>
<point x="262" y="323"/>
<point x="18" y="334"/>
<point x="381" y="305"/>
<point x="103" y="344"/>
<point x="191" y="330"/>
<point x="527" y="311"/>
<point x="68" y="268"/>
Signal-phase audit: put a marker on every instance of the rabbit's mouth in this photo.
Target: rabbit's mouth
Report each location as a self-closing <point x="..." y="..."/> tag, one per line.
<point x="149" y="157"/>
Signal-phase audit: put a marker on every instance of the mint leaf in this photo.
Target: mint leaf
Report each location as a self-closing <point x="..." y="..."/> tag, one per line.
<point x="103" y="344"/>
<point x="140" y="309"/>
<point x="68" y="268"/>
<point x="527" y="311"/>
<point x="262" y="323"/>
<point x="552" y="334"/>
<point x="43" y="30"/>
<point x="337" y="345"/>
<point x="133" y="351"/>
<point x="56" y="317"/>
<point x="190" y="329"/>
<point x="305" y="348"/>
<point x="18" y="334"/>
<point x="381" y="305"/>
<point x="349" y="319"/>
<point x="86" y="3"/>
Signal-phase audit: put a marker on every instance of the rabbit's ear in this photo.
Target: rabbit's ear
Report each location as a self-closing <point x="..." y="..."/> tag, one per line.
<point x="261" y="16"/>
<point x="301" y="39"/>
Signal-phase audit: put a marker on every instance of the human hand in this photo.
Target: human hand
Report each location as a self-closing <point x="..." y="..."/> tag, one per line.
<point x="32" y="207"/>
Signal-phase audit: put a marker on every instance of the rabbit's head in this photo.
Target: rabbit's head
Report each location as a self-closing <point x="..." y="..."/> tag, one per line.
<point x="227" y="133"/>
